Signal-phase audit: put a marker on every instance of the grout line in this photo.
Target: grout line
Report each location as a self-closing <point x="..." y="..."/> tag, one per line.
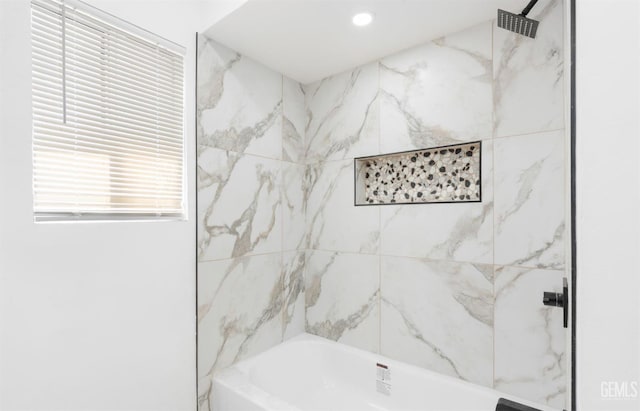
<point x="493" y="80"/>
<point x="487" y="139"/>
<point x="379" y="249"/>
<point x="493" y="328"/>
<point x="530" y="133"/>
<point x="493" y="209"/>
<point x="252" y="155"/>
<point x="303" y="158"/>
<point x="215" y="260"/>
<point x="196" y="232"/>
<point x="379" y="304"/>
<point x="431" y="259"/>
<point x="321" y="162"/>
<point x="283" y="310"/>
<point x="283" y="275"/>
<point x="379" y="110"/>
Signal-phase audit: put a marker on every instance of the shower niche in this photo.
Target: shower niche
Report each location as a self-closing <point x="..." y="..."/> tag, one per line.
<point x="446" y="174"/>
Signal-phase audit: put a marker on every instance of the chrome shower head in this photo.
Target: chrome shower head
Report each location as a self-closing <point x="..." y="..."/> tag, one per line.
<point x="519" y="23"/>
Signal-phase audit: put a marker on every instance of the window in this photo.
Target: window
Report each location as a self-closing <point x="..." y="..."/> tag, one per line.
<point x="108" y="98"/>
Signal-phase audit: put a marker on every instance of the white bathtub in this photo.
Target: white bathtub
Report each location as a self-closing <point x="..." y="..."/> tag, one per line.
<point x="312" y="373"/>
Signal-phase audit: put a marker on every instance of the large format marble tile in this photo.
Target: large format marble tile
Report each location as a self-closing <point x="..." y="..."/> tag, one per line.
<point x="458" y="231"/>
<point x="333" y="222"/>
<point x="239" y="313"/>
<point x="439" y="315"/>
<point x="293" y="219"/>
<point x="438" y="93"/>
<point x="529" y="75"/>
<point x="342" y="298"/>
<point x="294" y="121"/>
<point x="293" y="266"/>
<point x="238" y="204"/>
<point x="529" y="337"/>
<point x="530" y="200"/>
<point x="342" y="115"/>
<point x="239" y="102"/>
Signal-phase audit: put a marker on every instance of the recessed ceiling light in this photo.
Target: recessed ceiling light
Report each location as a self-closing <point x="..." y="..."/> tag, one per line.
<point x="362" y="19"/>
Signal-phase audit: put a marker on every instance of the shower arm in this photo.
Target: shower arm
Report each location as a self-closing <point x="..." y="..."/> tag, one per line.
<point x="527" y="9"/>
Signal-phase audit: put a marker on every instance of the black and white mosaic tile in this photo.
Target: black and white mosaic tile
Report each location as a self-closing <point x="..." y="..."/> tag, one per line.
<point x="440" y="174"/>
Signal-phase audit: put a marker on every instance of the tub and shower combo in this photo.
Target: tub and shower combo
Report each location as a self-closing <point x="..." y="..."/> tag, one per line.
<point x="313" y="373"/>
<point x="290" y="172"/>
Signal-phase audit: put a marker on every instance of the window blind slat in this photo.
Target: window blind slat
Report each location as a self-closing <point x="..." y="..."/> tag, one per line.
<point x="122" y="57"/>
<point x="118" y="177"/>
<point x="122" y="90"/>
<point x="90" y="25"/>
<point x="100" y="149"/>
<point x="116" y="111"/>
<point x="122" y="103"/>
<point x="117" y="168"/>
<point x="117" y="171"/>
<point x="154" y="70"/>
<point x="105" y="145"/>
<point x="59" y="133"/>
<point x="108" y="118"/>
<point x="57" y="187"/>
<point x="93" y="131"/>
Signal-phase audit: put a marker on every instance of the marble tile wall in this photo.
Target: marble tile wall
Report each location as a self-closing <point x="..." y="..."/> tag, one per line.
<point x="455" y="288"/>
<point x="342" y="297"/>
<point x="459" y="286"/>
<point x="439" y="93"/>
<point x="343" y="117"/>
<point x="442" y="321"/>
<point x="251" y="250"/>
<point x="530" y="343"/>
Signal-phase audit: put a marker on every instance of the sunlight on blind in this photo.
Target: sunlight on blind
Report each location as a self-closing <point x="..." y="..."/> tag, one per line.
<point x="108" y="135"/>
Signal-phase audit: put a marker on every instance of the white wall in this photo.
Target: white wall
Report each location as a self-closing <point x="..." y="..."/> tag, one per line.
<point x="608" y="200"/>
<point x="92" y="316"/>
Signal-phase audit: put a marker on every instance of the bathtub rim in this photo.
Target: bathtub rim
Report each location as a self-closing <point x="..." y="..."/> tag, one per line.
<point x="239" y="373"/>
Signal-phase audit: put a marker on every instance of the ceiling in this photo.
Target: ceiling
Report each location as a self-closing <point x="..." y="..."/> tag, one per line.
<point x="308" y="40"/>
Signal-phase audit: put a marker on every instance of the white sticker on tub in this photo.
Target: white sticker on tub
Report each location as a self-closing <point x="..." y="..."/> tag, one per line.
<point x="383" y="376"/>
<point x="383" y="373"/>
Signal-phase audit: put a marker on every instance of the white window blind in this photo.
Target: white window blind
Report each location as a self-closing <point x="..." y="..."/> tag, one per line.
<point x="108" y="139"/>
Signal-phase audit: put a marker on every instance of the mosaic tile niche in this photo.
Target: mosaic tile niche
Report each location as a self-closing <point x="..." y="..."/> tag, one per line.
<point x="448" y="174"/>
